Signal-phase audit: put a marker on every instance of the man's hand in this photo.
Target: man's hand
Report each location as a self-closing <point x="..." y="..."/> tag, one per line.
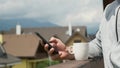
<point x="62" y="52"/>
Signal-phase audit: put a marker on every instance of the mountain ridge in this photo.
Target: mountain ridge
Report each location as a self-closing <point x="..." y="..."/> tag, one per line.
<point x="6" y="25"/>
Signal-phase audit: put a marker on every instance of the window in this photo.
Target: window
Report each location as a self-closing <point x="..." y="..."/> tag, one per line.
<point x="75" y="41"/>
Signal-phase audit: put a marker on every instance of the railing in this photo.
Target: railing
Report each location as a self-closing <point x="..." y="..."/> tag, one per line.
<point x="90" y="63"/>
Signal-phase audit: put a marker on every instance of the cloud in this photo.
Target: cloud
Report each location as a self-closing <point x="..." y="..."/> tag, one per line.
<point x="60" y="12"/>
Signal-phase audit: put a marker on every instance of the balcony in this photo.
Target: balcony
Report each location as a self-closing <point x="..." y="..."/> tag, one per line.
<point x="90" y="63"/>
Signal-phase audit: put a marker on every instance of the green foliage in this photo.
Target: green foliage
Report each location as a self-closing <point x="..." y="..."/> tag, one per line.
<point x="46" y="63"/>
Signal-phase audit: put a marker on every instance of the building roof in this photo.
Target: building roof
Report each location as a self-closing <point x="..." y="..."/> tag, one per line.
<point x="47" y="32"/>
<point x="79" y="34"/>
<point x="25" y="45"/>
<point x="7" y="59"/>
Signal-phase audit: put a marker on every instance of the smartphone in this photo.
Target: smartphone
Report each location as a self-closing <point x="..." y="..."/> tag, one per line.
<point x="46" y="42"/>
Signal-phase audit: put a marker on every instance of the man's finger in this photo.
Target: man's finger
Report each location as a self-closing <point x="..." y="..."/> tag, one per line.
<point x="46" y="47"/>
<point x="50" y="52"/>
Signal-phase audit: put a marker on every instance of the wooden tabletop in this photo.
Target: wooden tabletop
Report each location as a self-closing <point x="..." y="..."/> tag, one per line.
<point x="80" y="64"/>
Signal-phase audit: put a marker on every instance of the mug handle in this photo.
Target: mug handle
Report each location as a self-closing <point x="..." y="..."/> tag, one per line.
<point x="71" y="50"/>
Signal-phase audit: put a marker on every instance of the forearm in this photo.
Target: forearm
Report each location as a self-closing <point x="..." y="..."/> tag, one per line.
<point x="94" y="48"/>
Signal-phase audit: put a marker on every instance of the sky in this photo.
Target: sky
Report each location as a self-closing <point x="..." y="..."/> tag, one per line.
<point x="60" y="12"/>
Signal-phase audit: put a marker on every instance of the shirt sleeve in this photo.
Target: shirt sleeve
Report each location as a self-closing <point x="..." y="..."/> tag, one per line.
<point x="95" y="48"/>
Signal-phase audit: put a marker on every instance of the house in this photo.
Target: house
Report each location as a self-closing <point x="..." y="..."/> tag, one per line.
<point x="66" y="34"/>
<point x="76" y="37"/>
<point x="28" y="47"/>
<point x="7" y="60"/>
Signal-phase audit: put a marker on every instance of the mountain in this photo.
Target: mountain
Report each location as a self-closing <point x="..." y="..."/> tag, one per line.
<point x="11" y="23"/>
<point x="8" y="24"/>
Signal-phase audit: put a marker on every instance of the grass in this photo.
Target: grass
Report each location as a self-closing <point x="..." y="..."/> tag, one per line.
<point x="46" y="63"/>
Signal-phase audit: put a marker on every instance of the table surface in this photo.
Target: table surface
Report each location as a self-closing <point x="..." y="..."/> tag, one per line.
<point x="80" y="64"/>
<point x="71" y="64"/>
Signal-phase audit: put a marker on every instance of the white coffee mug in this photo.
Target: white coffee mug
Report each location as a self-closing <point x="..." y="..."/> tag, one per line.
<point x="80" y="51"/>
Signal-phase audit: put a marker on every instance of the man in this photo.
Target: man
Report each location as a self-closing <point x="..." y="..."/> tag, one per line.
<point x="106" y="43"/>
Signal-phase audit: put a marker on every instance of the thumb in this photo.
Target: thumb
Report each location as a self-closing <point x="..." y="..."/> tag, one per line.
<point x="63" y="54"/>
